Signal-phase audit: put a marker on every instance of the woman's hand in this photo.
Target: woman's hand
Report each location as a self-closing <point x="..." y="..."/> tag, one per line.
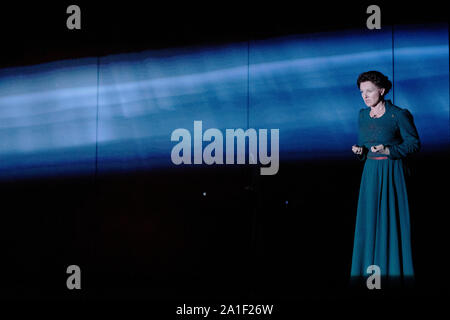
<point x="380" y="149"/>
<point x="356" y="149"/>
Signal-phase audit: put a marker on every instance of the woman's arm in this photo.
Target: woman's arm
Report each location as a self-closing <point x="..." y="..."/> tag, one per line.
<point x="363" y="154"/>
<point x="410" y="137"/>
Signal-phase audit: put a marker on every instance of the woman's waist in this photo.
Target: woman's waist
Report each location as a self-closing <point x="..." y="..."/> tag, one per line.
<point x="376" y="155"/>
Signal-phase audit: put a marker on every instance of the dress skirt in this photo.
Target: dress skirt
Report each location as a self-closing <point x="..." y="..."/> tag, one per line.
<point x="382" y="233"/>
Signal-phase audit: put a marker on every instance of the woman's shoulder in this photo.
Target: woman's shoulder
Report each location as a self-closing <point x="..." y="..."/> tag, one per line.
<point x="363" y="110"/>
<point x="363" y="114"/>
<point x="395" y="109"/>
<point x="398" y="112"/>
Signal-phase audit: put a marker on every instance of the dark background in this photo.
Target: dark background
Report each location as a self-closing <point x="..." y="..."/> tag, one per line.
<point x="153" y="235"/>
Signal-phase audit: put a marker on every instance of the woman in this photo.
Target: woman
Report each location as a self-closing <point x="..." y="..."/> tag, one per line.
<point x="387" y="135"/>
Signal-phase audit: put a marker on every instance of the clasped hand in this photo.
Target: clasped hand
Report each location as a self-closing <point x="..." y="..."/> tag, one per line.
<point x="357" y="149"/>
<point x="381" y="149"/>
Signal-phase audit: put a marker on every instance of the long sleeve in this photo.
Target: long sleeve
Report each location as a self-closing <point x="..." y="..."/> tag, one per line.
<point x="410" y="137"/>
<point x="363" y="156"/>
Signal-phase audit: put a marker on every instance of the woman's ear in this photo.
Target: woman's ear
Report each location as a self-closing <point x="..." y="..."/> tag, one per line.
<point x="382" y="90"/>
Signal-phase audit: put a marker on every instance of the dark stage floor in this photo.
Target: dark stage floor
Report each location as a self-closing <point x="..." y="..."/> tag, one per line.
<point x="156" y="236"/>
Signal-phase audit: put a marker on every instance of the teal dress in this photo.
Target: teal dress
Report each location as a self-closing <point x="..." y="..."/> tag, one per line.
<point x="382" y="233"/>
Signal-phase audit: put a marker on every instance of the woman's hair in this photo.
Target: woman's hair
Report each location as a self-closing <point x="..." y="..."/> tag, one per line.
<point x="377" y="78"/>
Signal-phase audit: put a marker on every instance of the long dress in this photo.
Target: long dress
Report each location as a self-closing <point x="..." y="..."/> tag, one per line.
<point x="382" y="233"/>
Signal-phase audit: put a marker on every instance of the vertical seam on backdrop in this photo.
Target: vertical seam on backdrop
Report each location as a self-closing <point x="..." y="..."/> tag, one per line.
<point x="96" y="120"/>
<point x="248" y="83"/>
<point x="393" y="66"/>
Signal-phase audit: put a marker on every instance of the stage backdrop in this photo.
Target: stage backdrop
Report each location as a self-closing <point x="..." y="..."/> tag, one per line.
<point x="117" y="113"/>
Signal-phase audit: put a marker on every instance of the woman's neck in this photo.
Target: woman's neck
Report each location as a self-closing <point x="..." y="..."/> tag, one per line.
<point x="378" y="106"/>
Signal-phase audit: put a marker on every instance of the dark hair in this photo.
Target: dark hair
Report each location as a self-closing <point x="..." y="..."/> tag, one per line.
<point x="377" y="78"/>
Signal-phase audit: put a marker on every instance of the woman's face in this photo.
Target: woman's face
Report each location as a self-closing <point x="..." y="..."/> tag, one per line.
<point x="371" y="94"/>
